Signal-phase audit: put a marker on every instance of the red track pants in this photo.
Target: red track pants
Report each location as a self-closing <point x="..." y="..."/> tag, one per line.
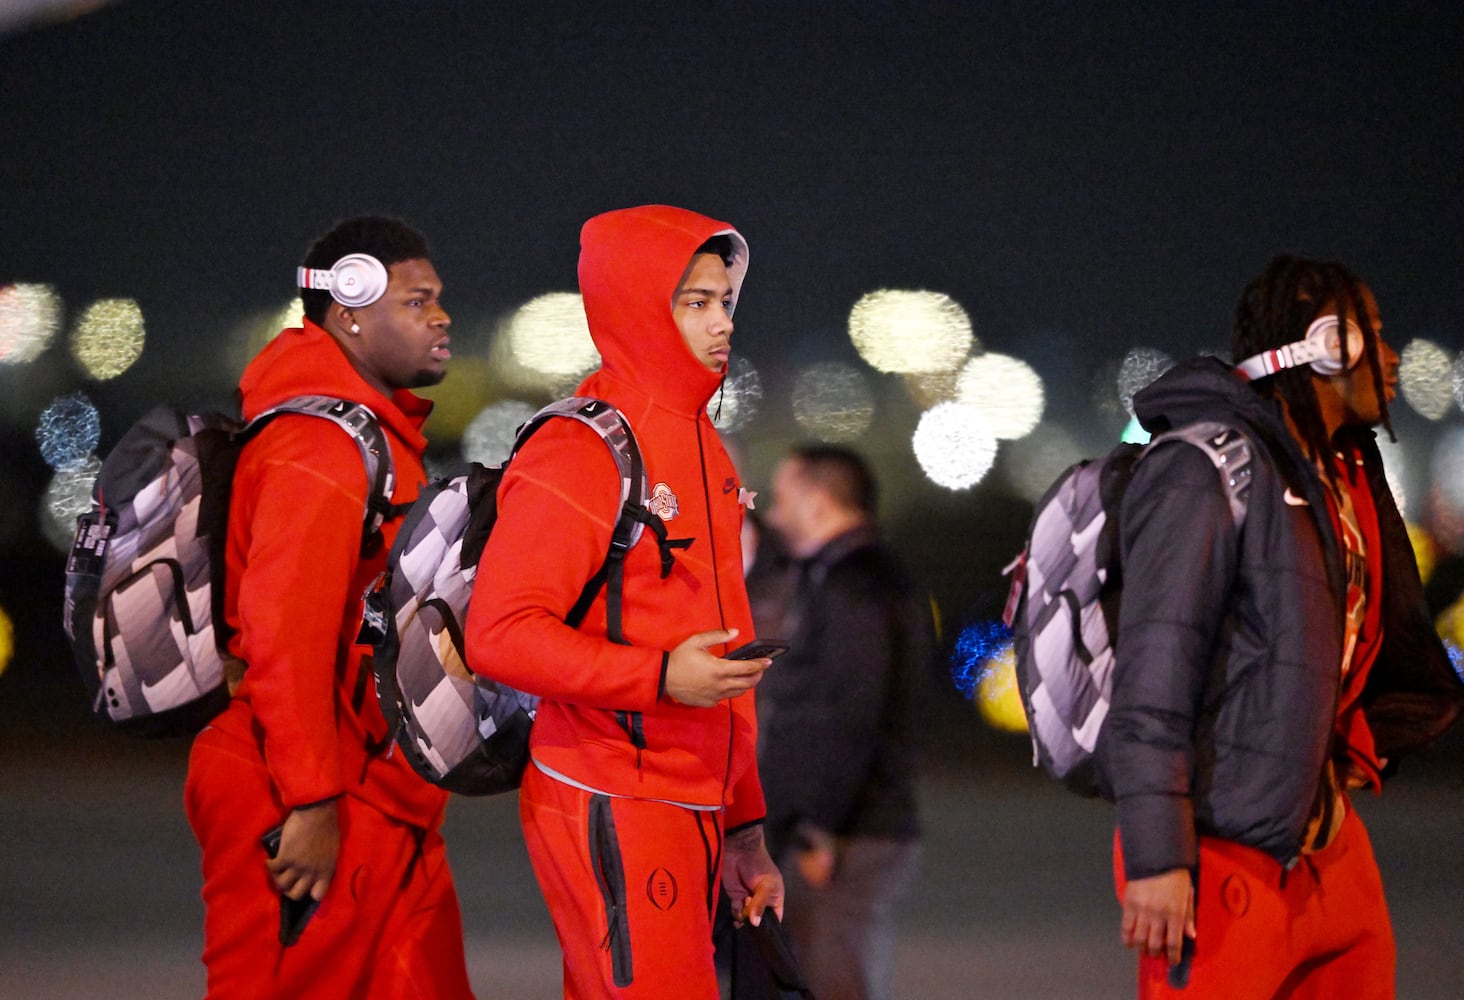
<point x="631" y="885"/>
<point x="1317" y="932"/>
<point x="389" y="927"/>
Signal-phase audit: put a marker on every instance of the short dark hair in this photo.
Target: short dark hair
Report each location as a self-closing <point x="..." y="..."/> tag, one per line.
<point x="389" y="240"/>
<point x="1277" y="308"/>
<point x="719" y="245"/>
<point x="841" y="473"/>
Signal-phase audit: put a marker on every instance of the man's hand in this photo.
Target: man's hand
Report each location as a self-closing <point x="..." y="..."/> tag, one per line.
<point x="1159" y="913"/>
<point x="697" y="678"/>
<point x="752" y="881"/>
<point x="310" y="843"/>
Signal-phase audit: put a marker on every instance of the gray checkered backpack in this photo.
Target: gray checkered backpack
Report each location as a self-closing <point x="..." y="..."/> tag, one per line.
<point x="1065" y="595"/>
<point x="145" y="579"/>
<point x="459" y="730"/>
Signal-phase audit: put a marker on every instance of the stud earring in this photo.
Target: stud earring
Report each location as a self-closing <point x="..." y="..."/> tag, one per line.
<point x="355" y="328"/>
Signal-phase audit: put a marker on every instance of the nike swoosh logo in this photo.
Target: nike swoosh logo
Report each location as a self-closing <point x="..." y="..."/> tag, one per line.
<point x="1292" y="500"/>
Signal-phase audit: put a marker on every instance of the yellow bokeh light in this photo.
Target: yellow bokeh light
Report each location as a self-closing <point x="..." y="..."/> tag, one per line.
<point x="7" y="640"/>
<point x="954" y="445"/>
<point x="1426" y="377"/>
<point x="928" y="388"/>
<point x="30" y="316"/>
<point x="998" y="698"/>
<point x="458" y="398"/>
<point x="108" y="338"/>
<point x="833" y="401"/>
<point x="549" y="334"/>
<point x="1007" y="392"/>
<point x="910" y="331"/>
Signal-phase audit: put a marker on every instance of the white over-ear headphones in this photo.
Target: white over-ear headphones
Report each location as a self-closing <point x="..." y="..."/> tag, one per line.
<point x="1322" y="349"/>
<point x="356" y="280"/>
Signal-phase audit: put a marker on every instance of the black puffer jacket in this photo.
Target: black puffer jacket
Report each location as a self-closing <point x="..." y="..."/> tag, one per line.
<point x="1227" y="674"/>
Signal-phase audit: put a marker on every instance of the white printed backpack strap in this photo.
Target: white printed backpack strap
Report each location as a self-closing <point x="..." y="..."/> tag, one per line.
<point x="1230" y="451"/>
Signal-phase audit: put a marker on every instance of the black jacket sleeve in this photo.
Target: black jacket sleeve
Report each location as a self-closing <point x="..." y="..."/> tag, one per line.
<point x="1179" y="555"/>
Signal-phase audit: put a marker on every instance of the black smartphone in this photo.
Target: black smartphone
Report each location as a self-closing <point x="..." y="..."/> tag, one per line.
<point x="294" y="913"/>
<point x="777" y="951"/>
<point x="759" y="649"/>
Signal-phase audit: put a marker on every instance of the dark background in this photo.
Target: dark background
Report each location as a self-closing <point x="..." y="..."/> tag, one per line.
<point x="1083" y="178"/>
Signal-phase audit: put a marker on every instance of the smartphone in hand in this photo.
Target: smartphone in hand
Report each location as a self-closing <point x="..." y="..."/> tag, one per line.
<point x="294" y="913"/>
<point x="759" y="649"/>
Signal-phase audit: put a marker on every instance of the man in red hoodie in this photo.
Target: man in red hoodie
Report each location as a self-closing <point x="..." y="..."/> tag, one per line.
<point x="302" y="747"/>
<point x="643" y="788"/>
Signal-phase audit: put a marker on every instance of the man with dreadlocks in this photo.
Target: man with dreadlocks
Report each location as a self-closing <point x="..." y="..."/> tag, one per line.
<point x="1264" y="670"/>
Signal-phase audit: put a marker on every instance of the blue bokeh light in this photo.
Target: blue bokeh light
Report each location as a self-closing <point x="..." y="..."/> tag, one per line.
<point x="68" y="431"/>
<point x="977" y="647"/>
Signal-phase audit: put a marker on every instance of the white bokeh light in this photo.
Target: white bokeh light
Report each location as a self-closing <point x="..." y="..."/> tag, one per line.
<point x="1426" y="377"/>
<point x="733" y="406"/>
<point x="1007" y="392"/>
<point x="489" y="436"/>
<point x="30" y="316"/>
<point x="1141" y="365"/>
<point x="833" y="401"/>
<point x="954" y="445"/>
<point x="68" y="496"/>
<point x="108" y="338"/>
<point x="549" y="334"/>
<point x="910" y="331"/>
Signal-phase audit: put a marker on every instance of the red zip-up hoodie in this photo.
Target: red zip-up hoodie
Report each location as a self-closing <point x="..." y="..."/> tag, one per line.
<point x="604" y="721"/>
<point x="307" y="704"/>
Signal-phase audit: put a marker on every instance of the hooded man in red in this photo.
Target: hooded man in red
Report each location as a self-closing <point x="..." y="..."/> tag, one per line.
<point x="643" y="786"/>
<point x="302" y="746"/>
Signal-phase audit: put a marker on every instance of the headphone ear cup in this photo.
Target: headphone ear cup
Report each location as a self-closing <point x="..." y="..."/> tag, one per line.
<point x="1322" y="335"/>
<point x="359" y="280"/>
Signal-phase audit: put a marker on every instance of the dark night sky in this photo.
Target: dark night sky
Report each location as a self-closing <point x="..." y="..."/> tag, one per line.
<point x="1081" y="177"/>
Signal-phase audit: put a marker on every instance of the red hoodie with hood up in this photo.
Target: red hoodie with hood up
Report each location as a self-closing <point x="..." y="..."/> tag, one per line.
<point x="295" y="578"/>
<point x="604" y="720"/>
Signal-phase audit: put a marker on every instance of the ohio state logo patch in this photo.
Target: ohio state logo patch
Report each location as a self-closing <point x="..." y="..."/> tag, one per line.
<point x="661" y="888"/>
<point x="663" y="502"/>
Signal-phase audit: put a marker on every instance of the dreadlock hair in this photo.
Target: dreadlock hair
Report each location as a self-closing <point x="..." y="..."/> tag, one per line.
<point x="1277" y="308"/>
<point x="390" y="241"/>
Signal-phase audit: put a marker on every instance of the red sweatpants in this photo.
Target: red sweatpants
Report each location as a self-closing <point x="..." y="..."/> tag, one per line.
<point x="631" y="885"/>
<point x="1317" y="932"/>
<point x="389" y="927"/>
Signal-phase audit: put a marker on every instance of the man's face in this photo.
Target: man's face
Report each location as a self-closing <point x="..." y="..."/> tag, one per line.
<point x="1355" y="393"/>
<point x="404" y="333"/>
<point x="790" y="510"/>
<point x="702" y="310"/>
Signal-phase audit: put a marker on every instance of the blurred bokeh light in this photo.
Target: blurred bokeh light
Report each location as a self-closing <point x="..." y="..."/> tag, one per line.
<point x="30" y="316"/>
<point x="7" y="640"/>
<point x="998" y="699"/>
<point x="489" y="437"/>
<point x="833" y="401"/>
<point x="67" y="497"/>
<point x="910" y="331"/>
<point x="68" y="430"/>
<point x="1141" y="365"/>
<point x="550" y="335"/>
<point x="458" y="398"/>
<point x="954" y="445"/>
<point x="735" y="405"/>
<point x="1007" y="392"/>
<point x="108" y="338"/>
<point x="1031" y="466"/>
<point x="1426" y="377"/>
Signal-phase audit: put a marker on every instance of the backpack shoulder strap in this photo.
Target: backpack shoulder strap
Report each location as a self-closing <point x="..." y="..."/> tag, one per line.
<point x="1230" y="452"/>
<point x="634" y="518"/>
<point x="357" y="420"/>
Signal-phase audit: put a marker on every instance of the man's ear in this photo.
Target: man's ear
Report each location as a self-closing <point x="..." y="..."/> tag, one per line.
<point x="339" y="320"/>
